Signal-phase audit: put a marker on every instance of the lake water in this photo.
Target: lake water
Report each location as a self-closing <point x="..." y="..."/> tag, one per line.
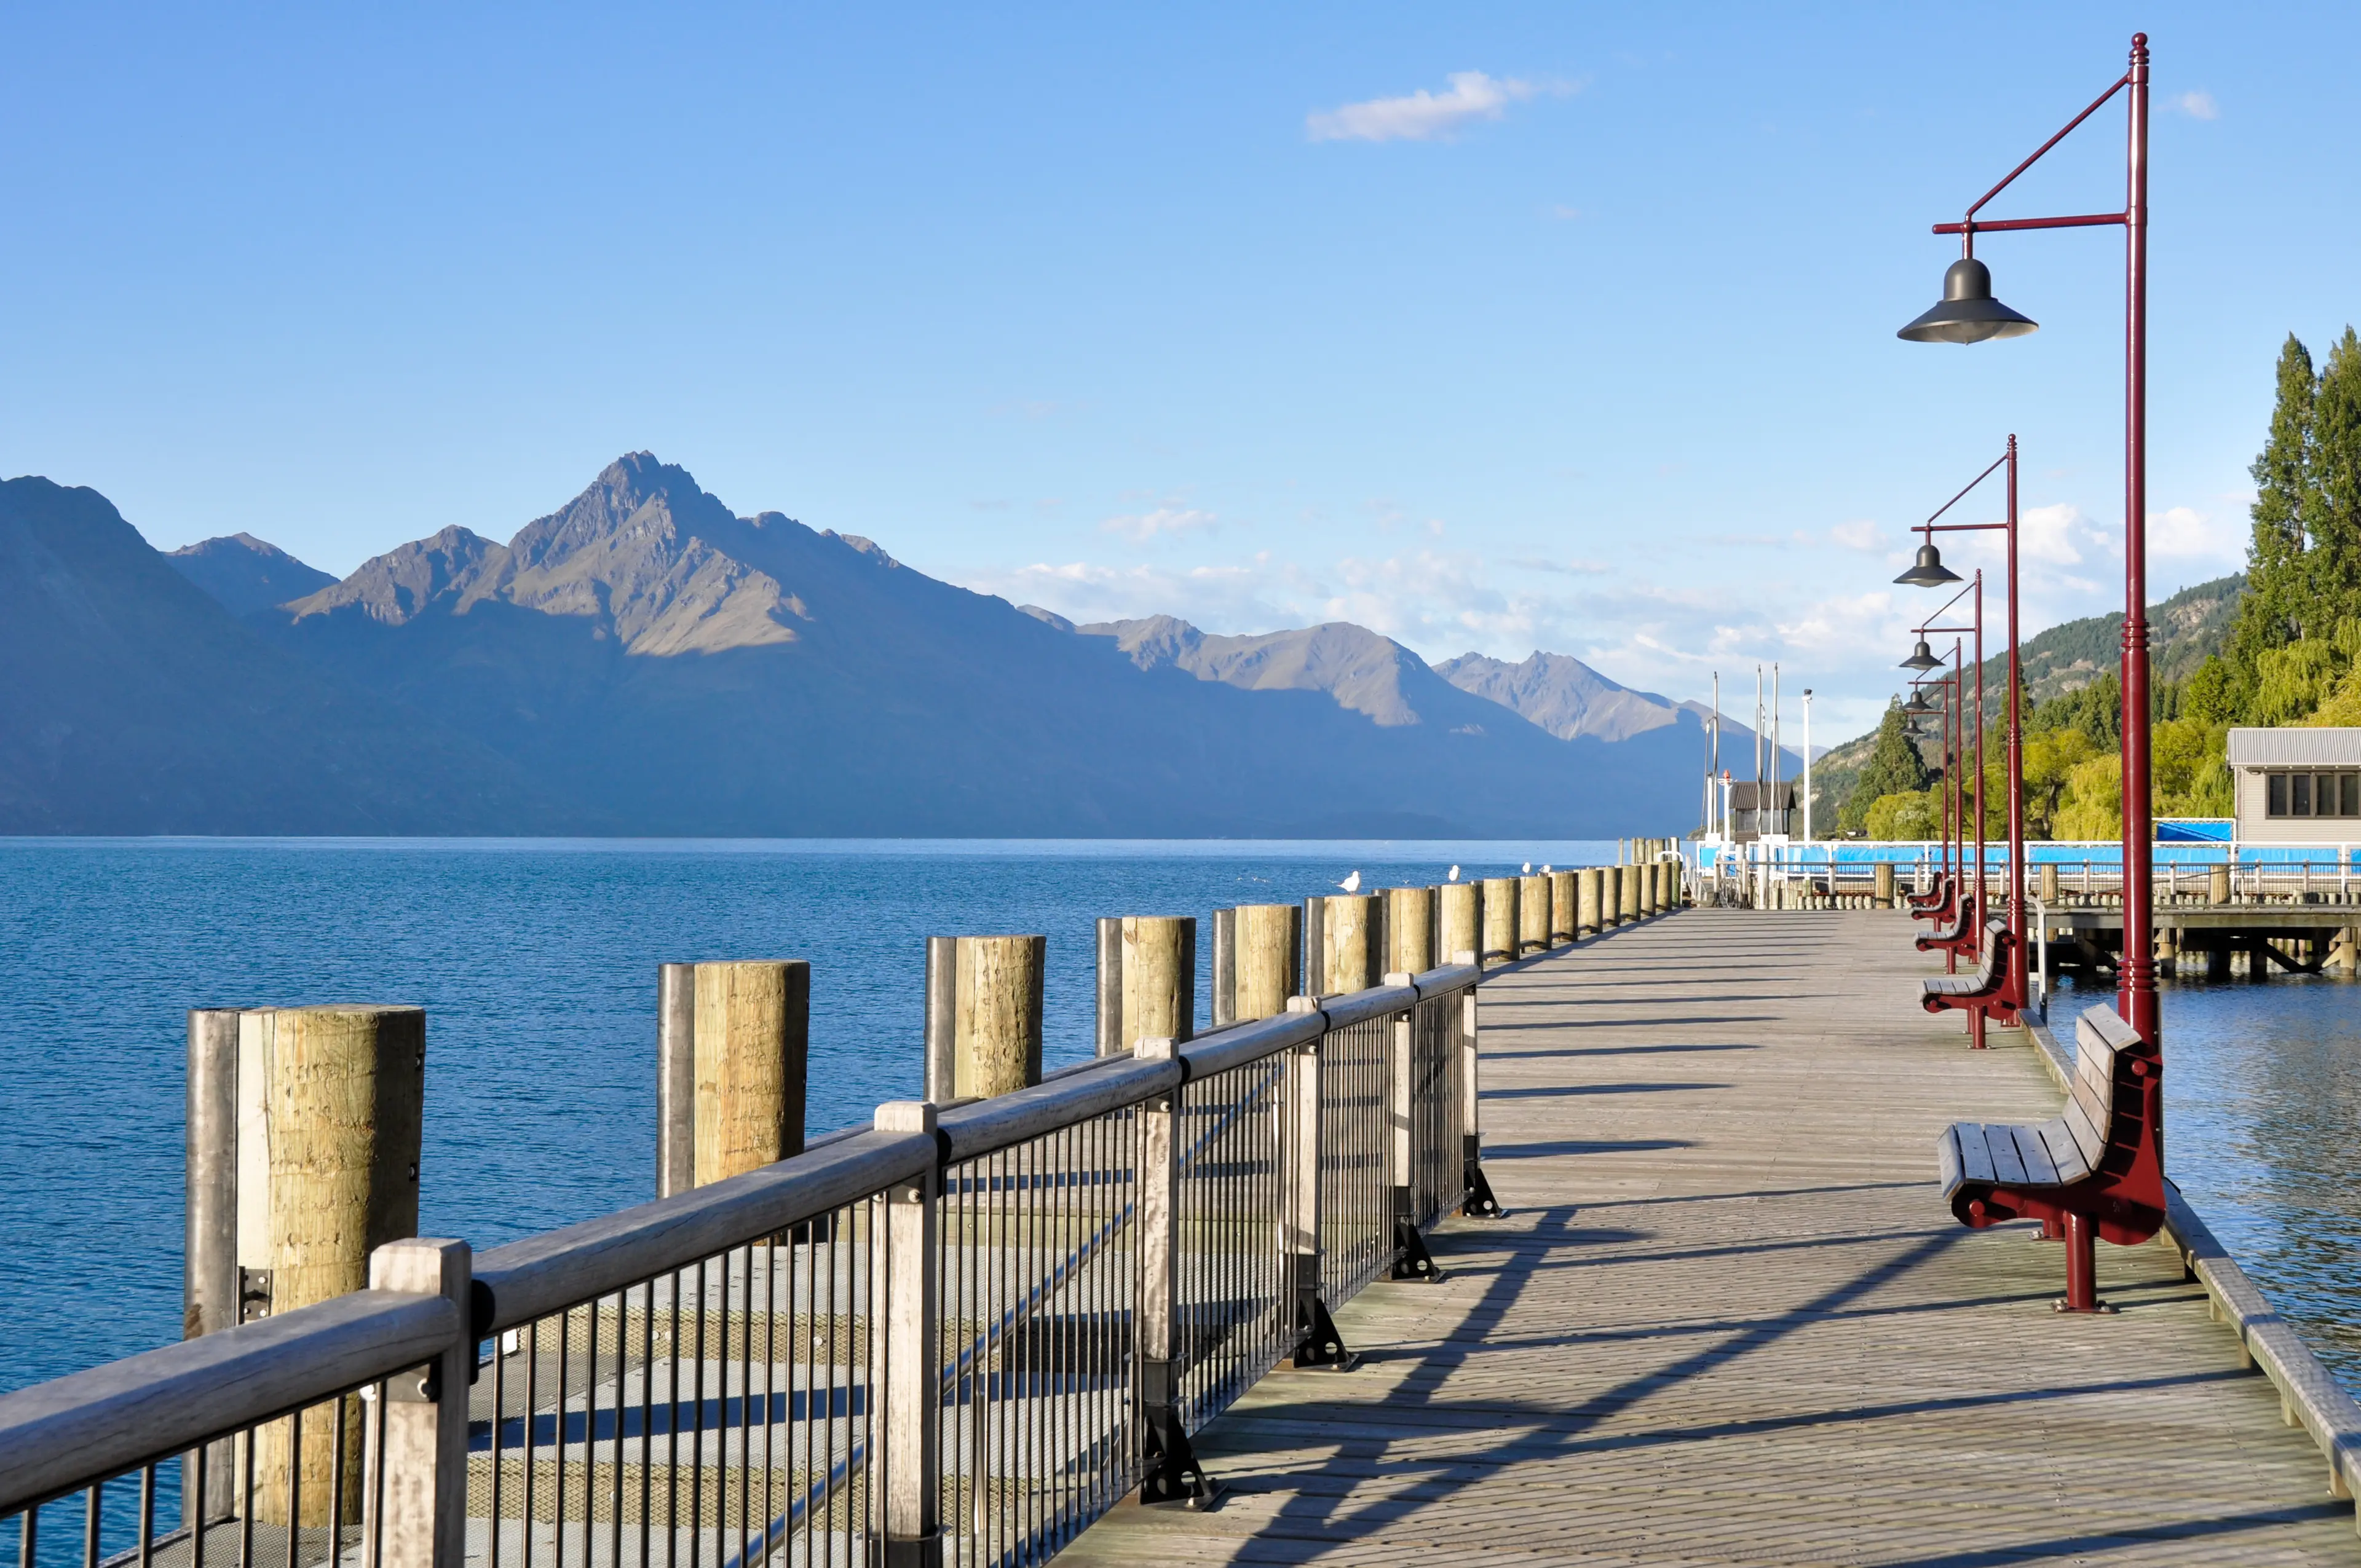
<point x="536" y="961"/>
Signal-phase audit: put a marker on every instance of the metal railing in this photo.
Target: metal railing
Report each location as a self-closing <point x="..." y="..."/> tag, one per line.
<point x="957" y="1336"/>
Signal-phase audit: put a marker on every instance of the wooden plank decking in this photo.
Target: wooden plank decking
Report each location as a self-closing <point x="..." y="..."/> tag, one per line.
<point x="1729" y="1321"/>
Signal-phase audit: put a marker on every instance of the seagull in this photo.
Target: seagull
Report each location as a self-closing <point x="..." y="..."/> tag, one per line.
<point x="1453" y="876"/>
<point x="1528" y="868"/>
<point x="1351" y="883"/>
<point x="1545" y="871"/>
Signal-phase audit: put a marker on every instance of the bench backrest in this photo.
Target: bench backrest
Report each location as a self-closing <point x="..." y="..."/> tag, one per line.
<point x="2100" y="1037"/>
<point x="1995" y="944"/>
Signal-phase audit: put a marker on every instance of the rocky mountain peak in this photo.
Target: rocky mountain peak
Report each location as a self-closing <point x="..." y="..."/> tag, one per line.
<point x="244" y="573"/>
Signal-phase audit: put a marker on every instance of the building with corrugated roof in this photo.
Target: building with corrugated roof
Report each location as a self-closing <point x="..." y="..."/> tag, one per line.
<point x="2297" y="787"/>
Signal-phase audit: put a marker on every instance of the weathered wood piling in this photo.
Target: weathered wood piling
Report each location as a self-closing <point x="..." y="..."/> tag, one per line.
<point x="304" y="1147"/>
<point x="1147" y="979"/>
<point x="1410" y="930"/>
<point x="1533" y="914"/>
<point x="1462" y="920"/>
<point x="984" y="1015"/>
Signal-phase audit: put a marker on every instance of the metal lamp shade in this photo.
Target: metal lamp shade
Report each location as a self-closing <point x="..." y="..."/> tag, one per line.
<point x="1928" y="571"/>
<point x="1922" y="658"/>
<point x="1918" y="704"/>
<point x="1967" y="313"/>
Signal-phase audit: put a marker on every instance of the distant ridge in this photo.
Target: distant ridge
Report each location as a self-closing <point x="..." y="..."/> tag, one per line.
<point x="134" y="702"/>
<point x="245" y="574"/>
<point x="644" y="660"/>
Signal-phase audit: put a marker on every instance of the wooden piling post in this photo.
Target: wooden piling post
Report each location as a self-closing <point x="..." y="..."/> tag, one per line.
<point x="676" y="1079"/>
<point x="209" y="1290"/>
<point x="1533" y="914"/>
<point x="1270" y="959"/>
<point x="753" y="1042"/>
<point x="2217" y="884"/>
<point x="341" y="1130"/>
<point x="996" y="1015"/>
<point x="1410" y="930"/>
<point x="1352" y="951"/>
<point x="1647" y="871"/>
<point x="1562" y="908"/>
<point x="1500" y="898"/>
<point x="1462" y="919"/>
<point x="1223" y="1011"/>
<point x="1884" y="885"/>
<point x="942" y="1020"/>
<point x="1628" y="895"/>
<point x="1147" y="979"/>
<point x="1586" y="902"/>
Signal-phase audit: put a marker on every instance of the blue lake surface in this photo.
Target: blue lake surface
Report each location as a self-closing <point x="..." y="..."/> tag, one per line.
<point x="536" y="961"/>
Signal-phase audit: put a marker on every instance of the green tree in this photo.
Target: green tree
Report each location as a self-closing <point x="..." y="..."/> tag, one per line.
<point x="1910" y="815"/>
<point x="2332" y="516"/>
<point x="2213" y="692"/>
<point x="2273" y="610"/>
<point x="1894" y="767"/>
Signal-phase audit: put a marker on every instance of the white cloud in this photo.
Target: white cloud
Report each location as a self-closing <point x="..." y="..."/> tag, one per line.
<point x="1259" y="596"/>
<point x="1166" y="521"/>
<point x="2197" y="106"/>
<point x="1423" y="116"/>
<point x="2185" y="531"/>
<point x="2046" y="534"/>
<point x="1866" y="536"/>
<point x="1575" y="568"/>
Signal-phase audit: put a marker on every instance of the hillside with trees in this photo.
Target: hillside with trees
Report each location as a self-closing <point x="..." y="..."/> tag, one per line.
<point x="2279" y="645"/>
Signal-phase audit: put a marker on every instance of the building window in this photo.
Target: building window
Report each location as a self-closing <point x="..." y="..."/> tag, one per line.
<point x="2312" y="794"/>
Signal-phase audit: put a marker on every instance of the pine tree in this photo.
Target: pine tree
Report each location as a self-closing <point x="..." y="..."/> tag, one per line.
<point x="2275" y="608"/>
<point x="2332" y="510"/>
<point x="1894" y="767"/>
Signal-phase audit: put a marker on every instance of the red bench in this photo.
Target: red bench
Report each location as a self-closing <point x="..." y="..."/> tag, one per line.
<point x="1989" y="994"/>
<point x="1962" y="935"/>
<point x="2099" y="1165"/>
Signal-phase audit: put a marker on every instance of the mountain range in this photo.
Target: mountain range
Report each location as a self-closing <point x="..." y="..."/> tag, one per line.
<point x="644" y="661"/>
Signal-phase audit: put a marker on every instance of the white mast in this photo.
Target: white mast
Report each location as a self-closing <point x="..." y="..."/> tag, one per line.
<point x="1807" y="764"/>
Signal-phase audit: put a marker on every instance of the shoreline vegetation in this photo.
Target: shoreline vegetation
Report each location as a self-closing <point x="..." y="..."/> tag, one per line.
<point x="2277" y="645"/>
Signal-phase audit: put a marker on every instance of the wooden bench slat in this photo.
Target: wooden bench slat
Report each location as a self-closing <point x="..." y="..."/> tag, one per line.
<point x="2087" y="1137"/>
<point x="2039" y="1169"/>
<point x="2064" y="1152"/>
<point x="1975" y="1159"/>
<point x="2001" y="1141"/>
<point x="1947" y="1171"/>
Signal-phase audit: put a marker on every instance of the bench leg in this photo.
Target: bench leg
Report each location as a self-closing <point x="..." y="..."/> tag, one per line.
<point x="1975" y="1028"/>
<point x="2082" y="1268"/>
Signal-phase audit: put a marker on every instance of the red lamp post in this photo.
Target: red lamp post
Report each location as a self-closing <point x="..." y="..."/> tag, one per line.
<point x="1928" y="571"/>
<point x="1976" y="626"/>
<point x="1969" y="314"/>
<point x="1954" y="862"/>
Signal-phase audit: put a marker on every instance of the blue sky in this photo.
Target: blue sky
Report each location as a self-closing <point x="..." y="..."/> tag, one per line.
<point x="1589" y="349"/>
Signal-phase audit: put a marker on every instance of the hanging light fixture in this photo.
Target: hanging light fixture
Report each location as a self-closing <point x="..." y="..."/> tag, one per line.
<point x="1919" y="703"/>
<point x="1928" y="571"/>
<point x="1967" y="312"/>
<point x="1922" y="658"/>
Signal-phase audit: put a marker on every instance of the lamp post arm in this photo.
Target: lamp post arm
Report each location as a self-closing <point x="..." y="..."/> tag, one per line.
<point x="2001" y="225"/>
<point x="1928" y="526"/>
<point x="1967" y="228"/>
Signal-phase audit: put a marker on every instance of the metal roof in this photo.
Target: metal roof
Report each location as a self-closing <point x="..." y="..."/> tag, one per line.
<point x="2295" y="748"/>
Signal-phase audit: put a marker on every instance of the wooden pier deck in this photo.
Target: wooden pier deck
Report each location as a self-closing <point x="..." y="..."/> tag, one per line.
<point x="1729" y="1320"/>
